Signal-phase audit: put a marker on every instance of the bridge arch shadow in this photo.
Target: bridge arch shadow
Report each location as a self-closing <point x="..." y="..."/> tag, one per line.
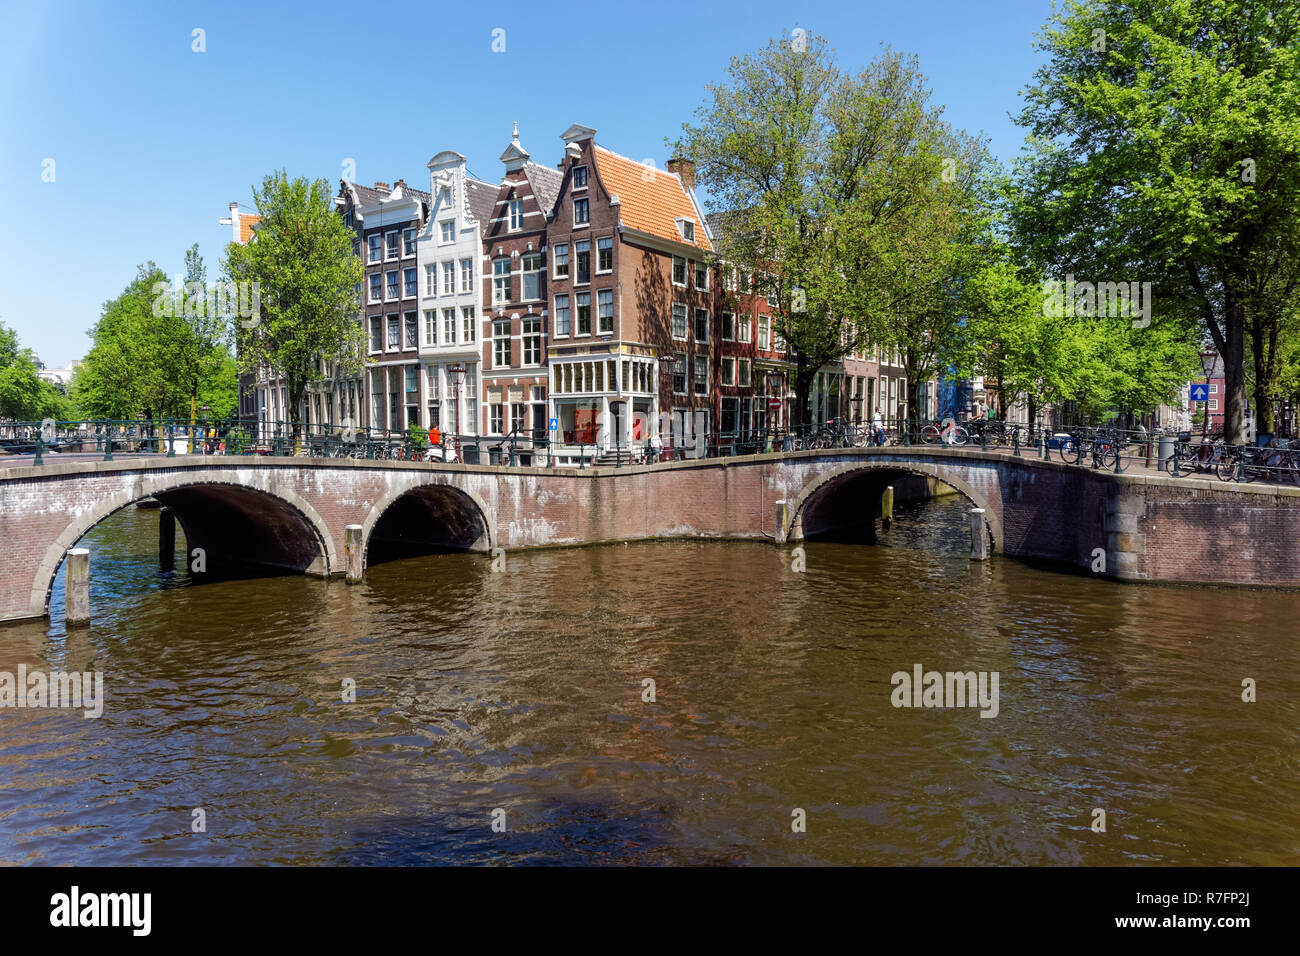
<point x="432" y="518"/>
<point x="847" y="499"/>
<point x="236" y="525"/>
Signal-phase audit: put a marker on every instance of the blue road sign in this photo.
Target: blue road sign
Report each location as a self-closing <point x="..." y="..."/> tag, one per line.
<point x="1200" y="393"/>
<point x="555" y="424"/>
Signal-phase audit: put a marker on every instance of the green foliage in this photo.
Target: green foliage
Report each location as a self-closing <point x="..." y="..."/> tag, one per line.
<point x="145" y="362"/>
<point x="24" y="395"/>
<point x="1165" y="147"/>
<point x="301" y="257"/>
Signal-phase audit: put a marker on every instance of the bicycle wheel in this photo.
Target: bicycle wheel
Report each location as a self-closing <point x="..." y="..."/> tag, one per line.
<point x="959" y="435"/>
<point x="1226" y="468"/>
<point x="1070" y="451"/>
<point x="1106" y="456"/>
<point x="930" y="434"/>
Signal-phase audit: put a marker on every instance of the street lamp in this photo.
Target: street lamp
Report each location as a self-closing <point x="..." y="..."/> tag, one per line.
<point x="457" y="373"/>
<point x="667" y="363"/>
<point x="773" y="395"/>
<point x="1207" y="366"/>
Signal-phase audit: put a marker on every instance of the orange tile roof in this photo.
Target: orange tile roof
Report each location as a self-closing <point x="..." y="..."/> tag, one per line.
<point x="246" y="223"/>
<point x="650" y="198"/>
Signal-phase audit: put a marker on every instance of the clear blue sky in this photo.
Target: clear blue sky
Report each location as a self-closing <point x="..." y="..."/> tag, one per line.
<point x="151" y="141"/>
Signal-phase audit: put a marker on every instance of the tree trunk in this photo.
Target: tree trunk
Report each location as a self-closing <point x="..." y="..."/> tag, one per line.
<point x="1234" y="373"/>
<point x="1263" y="341"/>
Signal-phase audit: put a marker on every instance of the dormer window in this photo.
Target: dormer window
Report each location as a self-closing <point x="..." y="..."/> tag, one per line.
<point x="444" y="196"/>
<point x="687" y="228"/>
<point x="579" y="177"/>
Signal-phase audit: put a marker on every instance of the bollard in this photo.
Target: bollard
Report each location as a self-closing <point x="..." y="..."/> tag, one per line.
<point x="77" y="588"/>
<point x="782" y="521"/>
<point x="1015" y="441"/>
<point x="1046" y="446"/>
<point x="353" y="553"/>
<point x="887" y="507"/>
<point x="979" y="541"/>
<point x="166" y="539"/>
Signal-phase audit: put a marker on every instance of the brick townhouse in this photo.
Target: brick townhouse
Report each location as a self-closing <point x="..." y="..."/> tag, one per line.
<point x="514" y="295"/>
<point x="631" y="303"/>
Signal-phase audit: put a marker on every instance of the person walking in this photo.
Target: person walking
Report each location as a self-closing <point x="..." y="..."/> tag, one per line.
<point x="878" y="427"/>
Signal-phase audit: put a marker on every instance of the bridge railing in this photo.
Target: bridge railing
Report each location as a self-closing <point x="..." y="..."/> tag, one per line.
<point x="1099" y="448"/>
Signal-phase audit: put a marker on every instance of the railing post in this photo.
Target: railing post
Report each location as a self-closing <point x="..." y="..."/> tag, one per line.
<point x="1241" y="470"/>
<point x="1015" y="441"/>
<point x="171" y="440"/>
<point x="1175" y="460"/>
<point x="582" y="459"/>
<point x="40" y="442"/>
<point x="108" y="444"/>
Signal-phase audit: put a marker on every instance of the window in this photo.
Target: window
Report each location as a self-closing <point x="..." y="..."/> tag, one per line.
<point x="516" y="214"/>
<point x="347" y="219"/>
<point x="376" y="286"/>
<point x="728" y="371"/>
<point x="581" y="211"/>
<point x="501" y="281"/>
<point x="532" y="266"/>
<point x="584" y="313"/>
<point x="701" y="376"/>
<point x="778" y="341"/>
<point x="412" y="378"/>
<point x="466" y="275"/>
<point x="408" y="242"/>
<point x="376" y="243"/>
<point x="449" y="277"/>
<point x="394" y="333"/>
<point x="444" y="196"/>
<point x="702" y="325"/>
<point x="376" y="334"/>
<point x="494" y="418"/>
<point x="1214" y="388"/>
<point x="679" y="374"/>
<point x="764" y="331"/>
<point x="728" y="327"/>
<point x="517" y="417"/>
<point x="448" y="326"/>
<point x="679" y="321"/>
<point x="605" y="254"/>
<point x="532" y="340"/>
<point x="562" y="261"/>
<point x="392" y="284"/>
<point x="605" y="310"/>
<point x="729" y="273"/>
<point x="702" y="275"/>
<point x="742" y="373"/>
<point x="430" y="279"/>
<point x="467" y="324"/>
<point x="579" y="177"/>
<point x="430" y="327"/>
<point x="772" y="298"/>
<point x="1214" y="404"/>
<point x="561" y="315"/>
<point x="410" y="284"/>
<point x="745" y="281"/>
<point x="412" y="331"/>
<point x="448" y="230"/>
<point x="688" y="230"/>
<point x="501" y="343"/>
<point x="582" y="248"/>
<point x="742" y="329"/>
<point x="390" y="245"/>
<point x="679" y="270"/>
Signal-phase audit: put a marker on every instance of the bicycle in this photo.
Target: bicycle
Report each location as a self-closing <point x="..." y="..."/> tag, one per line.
<point x="949" y="434"/>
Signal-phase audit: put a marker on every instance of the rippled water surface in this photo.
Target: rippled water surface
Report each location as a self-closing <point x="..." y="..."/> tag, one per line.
<point x="523" y="691"/>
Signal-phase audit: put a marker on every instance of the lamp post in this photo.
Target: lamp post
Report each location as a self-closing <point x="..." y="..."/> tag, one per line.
<point x="457" y="373"/>
<point x="773" y="390"/>
<point x="1207" y="366"/>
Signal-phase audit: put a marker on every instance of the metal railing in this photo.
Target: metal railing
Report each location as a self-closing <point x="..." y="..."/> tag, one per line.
<point x="1109" y="448"/>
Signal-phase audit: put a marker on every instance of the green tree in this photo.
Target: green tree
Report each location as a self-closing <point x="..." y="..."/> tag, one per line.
<point x="301" y="256"/>
<point x="833" y="183"/>
<point x="202" y="358"/>
<point x="24" y="395"/>
<point x="1165" y="147"/>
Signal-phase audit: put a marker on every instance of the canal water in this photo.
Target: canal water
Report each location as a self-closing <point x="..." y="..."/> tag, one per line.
<point x="519" y="697"/>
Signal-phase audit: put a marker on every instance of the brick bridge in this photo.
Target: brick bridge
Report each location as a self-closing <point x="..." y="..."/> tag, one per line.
<point x="291" y="513"/>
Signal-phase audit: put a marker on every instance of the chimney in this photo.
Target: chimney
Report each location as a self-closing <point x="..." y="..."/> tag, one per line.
<point x="379" y="185"/>
<point x="400" y="182"/>
<point x="685" y="168"/>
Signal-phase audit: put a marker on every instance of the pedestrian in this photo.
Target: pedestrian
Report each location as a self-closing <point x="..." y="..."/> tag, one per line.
<point x="878" y="427"/>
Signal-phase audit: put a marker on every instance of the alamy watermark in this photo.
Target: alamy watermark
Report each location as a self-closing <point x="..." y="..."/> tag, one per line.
<point x="922" y="688"/>
<point x="58" y="689"/>
<point x="1102" y="300"/>
<point x="217" y="300"/>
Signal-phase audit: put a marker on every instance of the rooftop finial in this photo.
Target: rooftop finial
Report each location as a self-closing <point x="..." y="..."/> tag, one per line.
<point x="515" y="135"/>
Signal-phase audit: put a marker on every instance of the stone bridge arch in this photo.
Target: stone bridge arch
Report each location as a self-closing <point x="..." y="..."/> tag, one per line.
<point x="839" y="479"/>
<point x="286" y="519"/>
<point x="441" y="513"/>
